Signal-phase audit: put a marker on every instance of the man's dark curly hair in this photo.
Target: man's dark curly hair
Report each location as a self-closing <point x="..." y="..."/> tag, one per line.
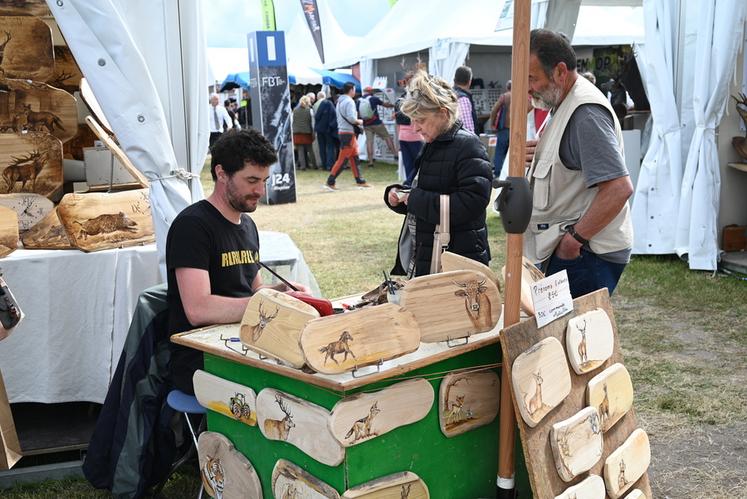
<point x="235" y="148"/>
<point x="551" y="48"/>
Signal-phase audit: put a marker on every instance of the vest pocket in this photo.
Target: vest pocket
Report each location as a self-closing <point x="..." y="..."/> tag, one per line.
<point x="541" y="180"/>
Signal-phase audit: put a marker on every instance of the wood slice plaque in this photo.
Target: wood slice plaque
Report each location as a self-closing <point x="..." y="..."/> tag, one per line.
<point x="467" y="401"/>
<point x="231" y="399"/>
<point x="67" y="74"/>
<point x="272" y="325"/>
<point x="30" y="208"/>
<point x="101" y="221"/>
<point x="451" y="261"/>
<point x="226" y="472"/>
<point x="47" y="234"/>
<point x="8" y="231"/>
<point x="36" y="8"/>
<point x="284" y="417"/>
<point x="636" y="494"/>
<point x="591" y="488"/>
<point x="452" y="305"/>
<point x="364" y="416"/>
<point x="577" y="443"/>
<point x="29" y="106"/>
<point x="289" y="481"/>
<point x="611" y="392"/>
<point x="343" y="342"/>
<point x="396" y="486"/>
<point x="541" y="380"/>
<point x="627" y="464"/>
<point x="26" y="48"/>
<point x="31" y="163"/>
<point x="589" y="340"/>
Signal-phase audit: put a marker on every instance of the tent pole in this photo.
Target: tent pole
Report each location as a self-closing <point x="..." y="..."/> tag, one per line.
<point x="514" y="252"/>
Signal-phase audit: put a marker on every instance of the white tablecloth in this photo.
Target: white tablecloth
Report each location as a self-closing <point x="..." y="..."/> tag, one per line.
<point x="78" y="308"/>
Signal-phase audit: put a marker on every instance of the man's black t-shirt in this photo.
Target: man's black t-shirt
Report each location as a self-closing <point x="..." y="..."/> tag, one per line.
<point x="201" y="238"/>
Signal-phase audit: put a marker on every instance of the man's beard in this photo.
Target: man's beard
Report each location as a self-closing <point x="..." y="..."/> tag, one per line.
<point x="548" y="98"/>
<point x="240" y="203"/>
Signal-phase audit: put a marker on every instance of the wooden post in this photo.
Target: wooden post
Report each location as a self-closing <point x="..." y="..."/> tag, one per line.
<point x="517" y="141"/>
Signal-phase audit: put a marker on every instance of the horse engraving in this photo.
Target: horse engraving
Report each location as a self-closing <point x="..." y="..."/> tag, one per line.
<point x="476" y="303"/>
<point x="24" y="169"/>
<point x="362" y="428"/>
<point x="279" y="429"/>
<point x="264" y="320"/>
<point x="339" y="346"/>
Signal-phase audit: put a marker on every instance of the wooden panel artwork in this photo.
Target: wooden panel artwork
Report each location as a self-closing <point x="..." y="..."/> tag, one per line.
<point x="31" y="163"/>
<point x="231" y="399"/>
<point x="611" y="392"/>
<point x="30" y="208"/>
<point x="577" y="443"/>
<point x="272" y="325"/>
<point x="589" y="340"/>
<point x="29" y="106"/>
<point x="540" y="379"/>
<point x="95" y="222"/>
<point x="396" y="486"/>
<point x="529" y="275"/>
<point x="67" y="74"/>
<point x="452" y="305"/>
<point x="291" y="481"/>
<point x="591" y="488"/>
<point x="364" y="416"/>
<point x="467" y="401"/>
<point x="627" y="464"/>
<point x="284" y="417"/>
<point x="225" y="472"/>
<point x="8" y="231"/>
<point x="26" y="48"/>
<point x="343" y="342"/>
<point x="47" y="234"/>
<point x="36" y="8"/>
<point x="635" y="494"/>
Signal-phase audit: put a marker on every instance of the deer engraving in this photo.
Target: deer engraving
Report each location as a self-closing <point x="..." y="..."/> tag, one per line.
<point x="24" y="169"/>
<point x="264" y="320"/>
<point x="279" y="429"/>
<point x="404" y="493"/>
<point x="621" y="480"/>
<point x="476" y="302"/>
<point x="362" y="427"/>
<point x="339" y="346"/>
<point x="604" y="406"/>
<point x="456" y="412"/>
<point x="582" y="353"/>
<point x="534" y="403"/>
<point x="3" y="45"/>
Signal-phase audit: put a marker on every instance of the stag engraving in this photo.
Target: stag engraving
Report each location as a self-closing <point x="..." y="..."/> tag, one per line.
<point x="363" y="427"/>
<point x="535" y="403"/>
<point x="604" y="406"/>
<point x="339" y="346"/>
<point x="2" y="47"/>
<point x="583" y="355"/>
<point x="476" y="303"/>
<point x="279" y="429"/>
<point x="264" y="320"/>
<point x="24" y="169"/>
<point x="404" y="492"/>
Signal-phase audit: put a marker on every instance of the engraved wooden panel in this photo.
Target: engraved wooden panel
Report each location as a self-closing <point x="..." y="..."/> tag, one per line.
<point x="26" y="48"/>
<point x="47" y="234"/>
<point x="541" y="380"/>
<point x="95" y="222"/>
<point x="577" y="443"/>
<point x="364" y="416"/>
<point x="396" y="486"/>
<point x="627" y="464"/>
<point x="30" y="106"/>
<point x="231" y="399"/>
<point x="226" y="472"/>
<point x="591" y="488"/>
<point x="529" y="275"/>
<point x="452" y="304"/>
<point x="611" y="391"/>
<point x="30" y="208"/>
<point x="272" y="325"/>
<point x="284" y="417"/>
<point x="67" y="74"/>
<point x="8" y="231"/>
<point x="636" y="494"/>
<point x="343" y="342"/>
<point x="36" y="8"/>
<point x="589" y="340"/>
<point x="291" y="481"/>
<point x="467" y="401"/>
<point x="31" y="163"/>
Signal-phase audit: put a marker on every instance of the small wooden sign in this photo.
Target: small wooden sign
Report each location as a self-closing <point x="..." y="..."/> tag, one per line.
<point x="225" y="471"/>
<point x="541" y="380"/>
<point x="467" y="401"/>
<point x="611" y="392"/>
<point x="589" y="340"/>
<point x="30" y="209"/>
<point x="272" y="325"/>
<point x="26" y="48"/>
<point x="31" y="163"/>
<point x="101" y="221"/>
<point x="231" y="399"/>
<point x="529" y="275"/>
<point x="452" y="305"/>
<point x="398" y="485"/>
<point x="343" y="342"/>
<point x="284" y="417"/>
<point x="627" y="464"/>
<point x="47" y="234"/>
<point x="591" y="487"/>
<point x="8" y="231"/>
<point x="291" y="481"/>
<point x="577" y="443"/>
<point x="364" y="416"/>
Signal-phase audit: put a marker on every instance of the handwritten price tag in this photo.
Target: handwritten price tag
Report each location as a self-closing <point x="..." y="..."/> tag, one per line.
<point x="552" y="298"/>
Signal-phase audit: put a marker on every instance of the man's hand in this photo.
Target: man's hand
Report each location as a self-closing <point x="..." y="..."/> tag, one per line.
<point x="568" y="248"/>
<point x="395" y="197"/>
<point x="529" y="151"/>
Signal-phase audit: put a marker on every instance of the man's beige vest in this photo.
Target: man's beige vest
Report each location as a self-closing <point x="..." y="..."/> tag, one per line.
<point x="560" y="197"/>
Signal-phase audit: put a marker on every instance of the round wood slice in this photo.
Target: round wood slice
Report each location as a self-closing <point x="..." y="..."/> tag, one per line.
<point x="467" y="401"/>
<point x="231" y="399"/>
<point x="611" y="391"/>
<point x="405" y="484"/>
<point x="31" y="163"/>
<point x="589" y="340"/>
<point x="47" y="234"/>
<point x="8" y="231"/>
<point x="225" y="471"/>
<point x="289" y="480"/>
<point x="591" y="487"/>
<point x="627" y="464"/>
<point x="576" y="443"/>
<point x="26" y="48"/>
<point x="451" y="261"/>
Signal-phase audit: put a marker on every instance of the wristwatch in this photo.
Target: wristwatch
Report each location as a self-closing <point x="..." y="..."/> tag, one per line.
<point x="571" y="229"/>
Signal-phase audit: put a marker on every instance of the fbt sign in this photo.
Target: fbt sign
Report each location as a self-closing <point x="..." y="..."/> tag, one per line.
<point x="272" y="81"/>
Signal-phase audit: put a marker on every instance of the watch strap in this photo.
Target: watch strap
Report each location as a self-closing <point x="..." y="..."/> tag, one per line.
<point x="571" y="229"/>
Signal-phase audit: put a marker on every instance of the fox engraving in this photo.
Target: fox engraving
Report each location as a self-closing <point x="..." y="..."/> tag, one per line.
<point x="38" y="120"/>
<point x="362" y="427"/>
<point x="106" y="223"/>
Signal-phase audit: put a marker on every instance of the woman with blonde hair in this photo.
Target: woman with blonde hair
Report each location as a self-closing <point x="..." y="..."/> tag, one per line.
<point x="453" y="162"/>
<point x="303" y="134"/>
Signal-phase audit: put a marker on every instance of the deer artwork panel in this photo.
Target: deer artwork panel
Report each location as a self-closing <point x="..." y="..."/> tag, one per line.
<point x="468" y="401"/>
<point x="290" y="481"/>
<point x="31" y="163"/>
<point x="577" y="443"/>
<point x="589" y="340"/>
<point x="282" y="416"/>
<point x="225" y="397"/>
<point x="611" y="392"/>
<point x="592" y="487"/>
<point x="26" y="50"/>
<point x="403" y="485"/>
<point x="225" y="472"/>
<point x="626" y="464"/>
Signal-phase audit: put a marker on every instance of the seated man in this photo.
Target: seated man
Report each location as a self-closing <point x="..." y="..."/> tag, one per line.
<point x="212" y="248"/>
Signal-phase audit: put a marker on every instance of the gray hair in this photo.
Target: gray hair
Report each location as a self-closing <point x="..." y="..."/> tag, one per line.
<point x="321" y="95"/>
<point x="427" y="94"/>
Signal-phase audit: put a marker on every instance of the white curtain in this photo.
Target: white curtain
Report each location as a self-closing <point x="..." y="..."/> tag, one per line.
<point x="719" y="37"/>
<point x="368" y="72"/>
<point x="445" y="56"/>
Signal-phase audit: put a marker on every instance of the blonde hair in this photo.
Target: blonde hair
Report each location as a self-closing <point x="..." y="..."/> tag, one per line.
<point x="427" y="94"/>
<point x="305" y="101"/>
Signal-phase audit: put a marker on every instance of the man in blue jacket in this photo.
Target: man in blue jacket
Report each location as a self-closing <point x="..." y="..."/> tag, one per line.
<point x="325" y="126"/>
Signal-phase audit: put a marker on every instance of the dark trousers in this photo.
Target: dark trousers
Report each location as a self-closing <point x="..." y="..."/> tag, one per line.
<point x="213" y="137"/>
<point x="587" y="273"/>
<point x="326" y="149"/>
<point x="409" y="151"/>
<point x="501" y="149"/>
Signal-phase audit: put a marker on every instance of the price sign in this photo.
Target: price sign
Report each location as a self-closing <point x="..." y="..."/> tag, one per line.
<point x="552" y="298"/>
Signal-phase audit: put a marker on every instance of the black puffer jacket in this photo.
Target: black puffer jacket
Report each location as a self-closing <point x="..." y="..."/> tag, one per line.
<point x="455" y="163"/>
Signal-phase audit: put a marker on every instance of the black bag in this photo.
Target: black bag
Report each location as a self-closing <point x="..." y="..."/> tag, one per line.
<point x="357" y="130"/>
<point x="399" y="117"/>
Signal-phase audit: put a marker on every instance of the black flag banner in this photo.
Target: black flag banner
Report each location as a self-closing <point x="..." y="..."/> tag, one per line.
<point x="311" y="12"/>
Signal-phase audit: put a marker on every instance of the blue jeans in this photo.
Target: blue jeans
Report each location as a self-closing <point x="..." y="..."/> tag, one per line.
<point x="410" y="151"/>
<point x="326" y="149"/>
<point x="587" y="273"/>
<point x="501" y="149"/>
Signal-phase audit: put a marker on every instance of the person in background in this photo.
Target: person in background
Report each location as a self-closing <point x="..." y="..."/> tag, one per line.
<point x="218" y="118"/>
<point x="325" y="126"/>
<point x="231" y="108"/>
<point x="245" y="111"/>
<point x="372" y="125"/>
<point x="462" y="81"/>
<point x="347" y="120"/>
<point x="454" y="162"/>
<point x="303" y="134"/>
<point x="590" y="76"/>
<point x="410" y="142"/>
<point x="500" y="117"/>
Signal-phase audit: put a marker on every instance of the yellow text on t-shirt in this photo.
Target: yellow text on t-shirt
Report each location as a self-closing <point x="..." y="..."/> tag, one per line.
<point x="240" y="257"/>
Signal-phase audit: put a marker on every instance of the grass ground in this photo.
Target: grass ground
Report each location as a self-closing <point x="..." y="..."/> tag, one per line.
<point x="683" y="333"/>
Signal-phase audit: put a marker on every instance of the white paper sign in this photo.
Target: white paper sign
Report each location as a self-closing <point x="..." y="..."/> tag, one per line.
<point x="551" y="297"/>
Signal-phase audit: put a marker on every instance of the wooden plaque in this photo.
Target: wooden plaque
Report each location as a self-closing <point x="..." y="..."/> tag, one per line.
<point x="29" y="106"/>
<point x="96" y="222"/>
<point x="611" y="392"/>
<point x="36" y="8"/>
<point x="231" y="399"/>
<point x="289" y="481"/>
<point x="8" y="231"/>
<point x="627" y="464"/>
<point x="452" y="305"/>
<point x="636" y="494"/>
<point x="529" y="275"/>
<point x="272" y="325"/>
<point x="364" y="416"/>
<point x="343" y="342"/>
<point x="451" y="261"/>
<point x="577" y="443"/>
<point x="30" y="209"/>
<point x="589" y="340"/>
<point x="67" y="74"/>
<point x="591" y="488"/>
<point x="225" y="471"/>
<point x="47" y="234"/>
<point x="540" y="379"/>
<point x="31" y="163"/>
<point x="406" y="484"/>
<point x="467" y="401"/>
<point x="26" y="48"/>
<point x="284" y="417"/>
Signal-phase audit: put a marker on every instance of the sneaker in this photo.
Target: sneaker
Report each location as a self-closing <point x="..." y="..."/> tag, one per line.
<point x="364" y="185"/>
<point x="330" y="187"/>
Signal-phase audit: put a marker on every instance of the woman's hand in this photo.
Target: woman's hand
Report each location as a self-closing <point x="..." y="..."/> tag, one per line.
<point x="397" y="196"/>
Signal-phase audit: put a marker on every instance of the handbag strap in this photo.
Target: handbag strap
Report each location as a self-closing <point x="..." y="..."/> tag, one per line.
<point x="441" y="235"/>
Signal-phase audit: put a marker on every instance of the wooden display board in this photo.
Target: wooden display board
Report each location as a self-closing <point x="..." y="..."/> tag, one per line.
<point x="543" y="475"/>
<point x="30" y="106"/>
<point x="31" y="163"/>
<point x="26" y="48"/>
